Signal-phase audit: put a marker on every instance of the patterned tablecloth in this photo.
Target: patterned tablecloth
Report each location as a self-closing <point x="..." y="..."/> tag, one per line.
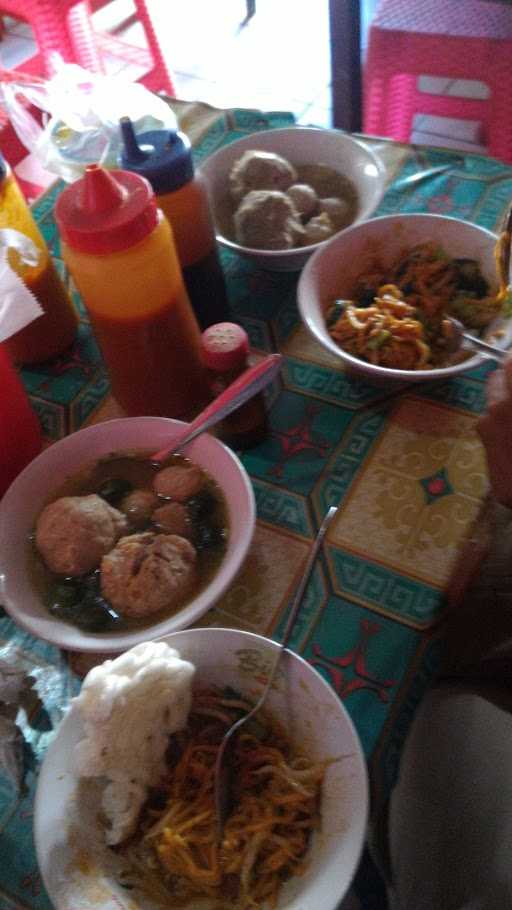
<point x="406" y="465"/>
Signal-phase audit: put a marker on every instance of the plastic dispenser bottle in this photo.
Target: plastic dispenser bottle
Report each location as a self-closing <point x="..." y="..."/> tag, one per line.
<point x="20" y="433"/>
<point x="164" y="157"/>
<point x="119" y="249"/>
<point x="29" y="257"/>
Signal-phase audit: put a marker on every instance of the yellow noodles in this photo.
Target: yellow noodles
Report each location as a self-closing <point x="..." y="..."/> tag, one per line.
<point x="398" y="315"/>
<point x="267" y="834"/>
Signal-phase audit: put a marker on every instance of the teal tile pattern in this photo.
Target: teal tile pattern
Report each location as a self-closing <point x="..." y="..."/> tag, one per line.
<point x="370" y="631"/>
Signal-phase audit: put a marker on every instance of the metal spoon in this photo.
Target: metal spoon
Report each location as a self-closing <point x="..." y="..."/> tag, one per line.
<point x="223" y="765"/>
<point x="244" y="387"/>
<point x="459" y="335"/>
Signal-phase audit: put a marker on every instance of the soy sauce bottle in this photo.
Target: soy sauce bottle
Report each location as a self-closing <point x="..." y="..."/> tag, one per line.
<point x="164" y="157"/>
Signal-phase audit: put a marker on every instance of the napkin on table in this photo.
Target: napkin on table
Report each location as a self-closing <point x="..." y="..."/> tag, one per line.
<point x="18" y="306"/>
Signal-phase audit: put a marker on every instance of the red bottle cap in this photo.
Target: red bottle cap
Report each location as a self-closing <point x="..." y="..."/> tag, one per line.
<point x="106" y="211"/>
<point x="225" y="346"/>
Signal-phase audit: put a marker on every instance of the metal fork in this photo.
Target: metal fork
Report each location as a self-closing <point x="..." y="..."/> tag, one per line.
<point x="223" y="765"/>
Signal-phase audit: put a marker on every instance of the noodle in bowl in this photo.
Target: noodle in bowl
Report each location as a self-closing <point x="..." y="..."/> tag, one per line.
<point x="79" y="870"/>
<point x="334" y="271"/>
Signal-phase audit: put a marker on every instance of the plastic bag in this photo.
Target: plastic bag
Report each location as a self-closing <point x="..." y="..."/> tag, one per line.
<point x="80" y="119"/>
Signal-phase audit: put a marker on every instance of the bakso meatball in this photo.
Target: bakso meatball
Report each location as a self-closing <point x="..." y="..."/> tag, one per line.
<point x="260" y="171"/>
<point x="268" y="220"/>
<point x="145" y="573"/>
<point x="318" y="228"/>
<point x="178" y="482"/>
<point x="304" y="199"/>
<point x="173" y="518"/>
<point x="138" y="507"/>
<point x="74" y="532"/>
<point x="338" y="210"/>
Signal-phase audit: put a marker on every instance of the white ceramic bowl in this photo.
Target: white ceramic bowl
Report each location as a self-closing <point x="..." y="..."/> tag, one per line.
<point x="79" y="871"/>
<point x="300" y="145"/>
<point x="44" y="476"/>
<point x="333" y="269"/>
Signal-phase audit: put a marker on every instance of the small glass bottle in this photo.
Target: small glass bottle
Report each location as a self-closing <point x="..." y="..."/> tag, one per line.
<point x="164" y="157"/>
<point x="119" y="249"/>
<point x="225" y="350"/>
<point x="55" y="330"/>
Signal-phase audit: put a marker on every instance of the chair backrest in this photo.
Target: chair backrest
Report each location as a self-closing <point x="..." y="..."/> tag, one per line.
<point x="462" y="18"/>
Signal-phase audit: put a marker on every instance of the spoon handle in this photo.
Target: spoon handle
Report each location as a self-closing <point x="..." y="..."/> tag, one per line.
<point x="499" y="354"/>
<point x="244" y="387"/>
<point x="223" y="773"/>
<point x="297" y="600"/>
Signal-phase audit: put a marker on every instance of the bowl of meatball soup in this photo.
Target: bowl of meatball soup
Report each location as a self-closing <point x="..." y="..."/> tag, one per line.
<point x="277" y="195"/>
<point x="102" y="548"/>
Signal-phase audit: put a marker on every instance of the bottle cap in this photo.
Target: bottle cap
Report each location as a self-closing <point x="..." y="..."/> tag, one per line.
<point x="164" y="157"/>
<point x="106" y="211"/>
<point x="225" y="346"/>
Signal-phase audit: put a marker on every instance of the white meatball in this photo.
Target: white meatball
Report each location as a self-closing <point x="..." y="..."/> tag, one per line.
<point x="260" y="171"/>
<point x="172" y="518"/>
<point x="138" y="507"/>
<point x="179" y="482"/>
<point x="319" y="228"/>
<point x="304" y="199"/>
<point x="268" y="220"/>
<point x="338" y="210"/>
<point x="146" y="573"/>
<point x="74" y="532"/>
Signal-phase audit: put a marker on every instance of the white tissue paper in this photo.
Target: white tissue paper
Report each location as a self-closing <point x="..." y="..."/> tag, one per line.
<point x="18" y="306"/>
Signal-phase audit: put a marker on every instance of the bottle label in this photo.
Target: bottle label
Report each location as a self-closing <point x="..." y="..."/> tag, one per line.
<point x="26" y="253"/>
<point x="18" y="306"/>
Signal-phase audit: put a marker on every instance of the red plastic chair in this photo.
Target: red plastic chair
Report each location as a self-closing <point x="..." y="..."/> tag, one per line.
<point x="11" y="145"/>
<point x="65" y="27"/>
<point x="456" y="39"/>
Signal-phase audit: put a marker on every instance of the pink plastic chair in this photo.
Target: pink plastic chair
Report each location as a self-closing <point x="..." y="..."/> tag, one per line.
<point x="65" y="27"/>
<point x="456" y="39"/>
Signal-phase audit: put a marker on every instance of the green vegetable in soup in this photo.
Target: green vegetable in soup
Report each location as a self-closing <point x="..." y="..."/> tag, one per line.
<point x="208" y="536"/>
<point x="201" y="505"/>
<point x="79" y="601"/>
<point x="114" y="489"/>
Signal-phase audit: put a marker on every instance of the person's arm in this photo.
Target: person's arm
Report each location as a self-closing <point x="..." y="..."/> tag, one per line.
<point x="495" y="430"/>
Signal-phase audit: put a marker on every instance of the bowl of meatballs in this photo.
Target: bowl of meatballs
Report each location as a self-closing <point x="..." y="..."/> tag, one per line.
<point x="277" y="194"/>
<point x="104" y="548"/>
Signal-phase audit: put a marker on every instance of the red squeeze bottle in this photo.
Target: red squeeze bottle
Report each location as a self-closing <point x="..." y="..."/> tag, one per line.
<point x="225" y="350"/>
<point x="20" y="433"/>
<point x="119" y="249"/>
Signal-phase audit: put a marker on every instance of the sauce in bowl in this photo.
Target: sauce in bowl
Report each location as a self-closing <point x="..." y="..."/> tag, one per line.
<point x="155" y="539"/>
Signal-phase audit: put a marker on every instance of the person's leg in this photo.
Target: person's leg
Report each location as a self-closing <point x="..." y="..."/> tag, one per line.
<point x="450" y="820"/>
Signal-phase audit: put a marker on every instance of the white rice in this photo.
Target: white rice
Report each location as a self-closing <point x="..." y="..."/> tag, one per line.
<point x="129" y="707"/>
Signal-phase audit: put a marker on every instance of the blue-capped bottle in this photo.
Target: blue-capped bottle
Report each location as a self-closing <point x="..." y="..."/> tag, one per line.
<point x="164" y="157"/>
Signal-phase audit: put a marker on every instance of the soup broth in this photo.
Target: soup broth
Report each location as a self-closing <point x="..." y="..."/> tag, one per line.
<point x="79" y="599"/>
